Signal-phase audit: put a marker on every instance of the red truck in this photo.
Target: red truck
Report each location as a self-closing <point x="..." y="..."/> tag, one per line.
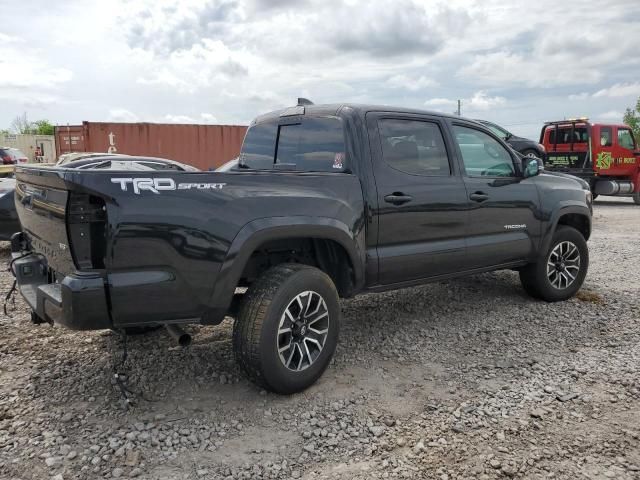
<point x="605" y="155"/>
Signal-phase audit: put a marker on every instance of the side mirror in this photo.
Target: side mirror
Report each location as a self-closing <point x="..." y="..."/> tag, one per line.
<point x="531" y="166"/>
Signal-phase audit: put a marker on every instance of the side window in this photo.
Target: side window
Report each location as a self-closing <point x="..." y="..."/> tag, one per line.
<point x="606" y="137"/>
<point x="413" y="146"/>
<point x="625" y="139"/>
<point x="482" y="154"/>
<point x="497" y="131"/>
<point x="315" y="145"/>
<point x="259" y="146"/>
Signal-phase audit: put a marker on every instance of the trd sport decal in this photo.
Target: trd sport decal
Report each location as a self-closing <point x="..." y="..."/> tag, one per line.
<point x="156" y="185"/>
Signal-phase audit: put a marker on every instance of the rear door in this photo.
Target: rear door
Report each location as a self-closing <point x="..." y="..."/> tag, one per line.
<point x="421" y="198"/>
<point x="502" y="223"/>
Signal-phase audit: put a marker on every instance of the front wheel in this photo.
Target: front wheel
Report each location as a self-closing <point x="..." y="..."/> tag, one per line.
<point x="531" y="153"/>
<point x="636" y="198"/>
<point x="287" y="328"/>
<point x="560" y="272"/>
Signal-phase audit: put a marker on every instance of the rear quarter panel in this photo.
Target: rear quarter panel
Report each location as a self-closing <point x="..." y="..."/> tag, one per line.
<point x="165" y="250"/>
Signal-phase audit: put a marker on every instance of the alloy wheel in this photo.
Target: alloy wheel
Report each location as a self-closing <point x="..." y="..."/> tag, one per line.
<point x="302" y="331"/>
<point x="563" y="265"/>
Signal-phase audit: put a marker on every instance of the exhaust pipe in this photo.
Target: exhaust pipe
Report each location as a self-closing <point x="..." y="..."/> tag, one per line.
<point x="179" y="335"/>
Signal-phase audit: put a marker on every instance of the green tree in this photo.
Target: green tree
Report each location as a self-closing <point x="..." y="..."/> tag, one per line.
<point x="632" y="118"/>
<point x="21" y="124"/>
<point x="43" y="127"/>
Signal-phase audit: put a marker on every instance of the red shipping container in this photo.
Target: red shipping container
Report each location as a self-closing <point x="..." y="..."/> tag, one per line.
<point x="203" y="146"/>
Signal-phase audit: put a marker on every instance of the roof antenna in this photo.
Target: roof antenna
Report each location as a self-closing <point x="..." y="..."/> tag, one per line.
<point x="304" y="101"/>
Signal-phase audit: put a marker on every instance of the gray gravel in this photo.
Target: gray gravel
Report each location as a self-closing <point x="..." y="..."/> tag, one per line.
<point x="456" y="380"/>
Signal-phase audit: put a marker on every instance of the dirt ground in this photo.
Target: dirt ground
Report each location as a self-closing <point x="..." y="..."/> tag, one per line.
<point x="453" y="380"/>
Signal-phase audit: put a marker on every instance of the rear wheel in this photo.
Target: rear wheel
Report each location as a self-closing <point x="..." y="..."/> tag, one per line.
<point x="636" y="198"/>
<point x="560" y="272"/>
<point x="287" y="328"/>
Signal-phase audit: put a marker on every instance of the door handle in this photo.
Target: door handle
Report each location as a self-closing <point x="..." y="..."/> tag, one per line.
<point x="398" y="198"/>
<point x="479" y="197"/>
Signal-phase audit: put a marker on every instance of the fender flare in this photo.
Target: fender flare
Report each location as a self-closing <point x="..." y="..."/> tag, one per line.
<point x="256" y="232"/>
<point x="566" y="207"/>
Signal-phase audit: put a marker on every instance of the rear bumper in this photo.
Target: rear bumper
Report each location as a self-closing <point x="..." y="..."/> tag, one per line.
<point x="78" y="302"/>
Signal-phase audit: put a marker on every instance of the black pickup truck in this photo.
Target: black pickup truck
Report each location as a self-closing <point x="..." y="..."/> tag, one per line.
<point x="326" y="201"/>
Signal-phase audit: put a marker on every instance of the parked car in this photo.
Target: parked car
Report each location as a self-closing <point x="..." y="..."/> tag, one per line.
<point x="528" y="148"/>
<point x="12" y="156"/>
<point x="9" y="223"/>
<point x="605" y="155"/>
<point x="73" y="156"/>
<point x="328" y="201"/>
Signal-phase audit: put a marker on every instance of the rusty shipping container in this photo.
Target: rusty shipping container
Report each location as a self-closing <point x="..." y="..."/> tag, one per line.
<point x="203" y="146"/>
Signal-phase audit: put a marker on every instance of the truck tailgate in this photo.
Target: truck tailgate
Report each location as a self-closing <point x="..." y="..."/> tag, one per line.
<point x="41" y="203"/>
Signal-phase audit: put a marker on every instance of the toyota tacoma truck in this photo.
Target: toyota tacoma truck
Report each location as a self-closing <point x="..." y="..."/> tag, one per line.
<point x="326" y="202"/>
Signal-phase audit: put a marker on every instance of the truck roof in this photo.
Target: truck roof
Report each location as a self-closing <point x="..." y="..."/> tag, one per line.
<point x="334" y="109"/>
<point x="583" y="121"/>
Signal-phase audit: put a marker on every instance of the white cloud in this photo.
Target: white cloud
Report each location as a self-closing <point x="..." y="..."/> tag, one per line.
<point x="202" y="118"/>
<point x="169" y="118"/>
<point x="611" y="115"/>
<point x="620" y="90"/>
<point x="409" y="83"/>
<point x="579" y="96"/>
<point x="479" y="101"/>
<point x="145" y="59"/>
<point x="208" y="118"/>
<point x="122" y="115"/>
<point x="440" y="102"/>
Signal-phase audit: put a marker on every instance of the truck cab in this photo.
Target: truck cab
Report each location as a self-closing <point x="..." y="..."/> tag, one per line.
<point x="605" y="155"/>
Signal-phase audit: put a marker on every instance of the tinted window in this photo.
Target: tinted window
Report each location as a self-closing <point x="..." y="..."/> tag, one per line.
<point x="483" y="154"/>
<point x="606" y="137"/>
<point x="625" y="139"/>
<point x="259" y="146"/>
<point x="580" y="135"/>
<point x="414" y="147"/>
<point x="315" y="145"/>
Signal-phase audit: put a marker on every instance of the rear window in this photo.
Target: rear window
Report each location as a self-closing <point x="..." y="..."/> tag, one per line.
<point x="314" y="144"/>
<point x="579" y="135"/>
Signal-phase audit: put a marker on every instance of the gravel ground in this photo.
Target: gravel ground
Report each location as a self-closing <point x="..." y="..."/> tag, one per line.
<point x="463" y="379"/>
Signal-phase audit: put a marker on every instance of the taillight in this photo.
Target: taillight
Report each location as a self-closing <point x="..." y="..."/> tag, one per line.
<point x="87" y="225"/>
<point x="7" y="160"/>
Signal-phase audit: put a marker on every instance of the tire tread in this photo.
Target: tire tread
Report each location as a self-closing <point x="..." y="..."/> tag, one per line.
<point x="248" y="326"/>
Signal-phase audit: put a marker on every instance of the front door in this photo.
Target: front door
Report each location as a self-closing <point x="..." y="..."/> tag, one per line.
<point x="422" y="209"/>
<point x="503" y="227"/>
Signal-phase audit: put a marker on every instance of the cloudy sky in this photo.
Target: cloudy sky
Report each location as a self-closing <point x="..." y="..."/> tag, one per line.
<point x="515" y="62"/>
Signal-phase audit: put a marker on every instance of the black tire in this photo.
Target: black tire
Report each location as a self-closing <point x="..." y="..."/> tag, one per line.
<point x="530" y="152"/>
<point x="535" y="277"/>
<point x="636" y="198"/>
<point x="255" y="331"/>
